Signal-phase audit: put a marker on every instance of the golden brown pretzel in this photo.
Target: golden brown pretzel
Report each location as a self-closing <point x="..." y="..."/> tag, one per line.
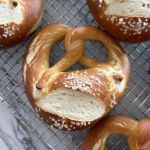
<point x="77" y="99"/>
<point x="138" y="133"/>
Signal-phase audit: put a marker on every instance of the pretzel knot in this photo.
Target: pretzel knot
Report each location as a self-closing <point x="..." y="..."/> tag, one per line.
<point x="138" y="133"/>
<point x="76" y="99"/>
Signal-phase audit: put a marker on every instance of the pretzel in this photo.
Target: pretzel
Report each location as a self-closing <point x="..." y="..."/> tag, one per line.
<point x="138" y="133"/>
<point x="77" y="99"/>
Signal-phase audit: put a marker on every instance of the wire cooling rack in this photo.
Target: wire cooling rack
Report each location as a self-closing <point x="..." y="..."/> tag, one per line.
<point x="136" y="102"/>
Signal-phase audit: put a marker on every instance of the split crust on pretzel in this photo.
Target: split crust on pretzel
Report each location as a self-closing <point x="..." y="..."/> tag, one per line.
<point x="138" y="133"/>
<point x="77" y="99"/>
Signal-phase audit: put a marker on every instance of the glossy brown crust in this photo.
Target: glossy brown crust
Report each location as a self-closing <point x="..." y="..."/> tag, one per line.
<point x="112" y="25"/>
<point x="32" y="13"/>
<point x="37" y="74"/>
<point x="138" y="133"/>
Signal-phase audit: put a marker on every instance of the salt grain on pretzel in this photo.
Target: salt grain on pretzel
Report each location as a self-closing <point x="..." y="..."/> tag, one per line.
<point x="76" y="99"/>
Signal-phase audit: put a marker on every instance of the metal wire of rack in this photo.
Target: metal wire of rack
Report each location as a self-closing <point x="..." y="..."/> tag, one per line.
<point x="136" y="102"/>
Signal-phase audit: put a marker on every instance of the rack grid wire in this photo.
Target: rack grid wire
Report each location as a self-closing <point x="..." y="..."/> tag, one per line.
<point x="135" y="103"/>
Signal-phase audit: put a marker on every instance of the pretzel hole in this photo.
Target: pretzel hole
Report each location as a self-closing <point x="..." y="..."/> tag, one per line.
<point x="57" y="52"/>
<point x="96" y="51"/>
<point x="117" y="142"/>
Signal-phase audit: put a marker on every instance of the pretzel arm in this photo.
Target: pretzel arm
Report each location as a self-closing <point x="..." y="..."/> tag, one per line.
<point x="90" y="63"/>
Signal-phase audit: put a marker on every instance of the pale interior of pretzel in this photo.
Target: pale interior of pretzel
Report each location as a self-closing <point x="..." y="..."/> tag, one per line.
<point x="138" y="133"/>
<point x="11" y="11"/>
<point x="72" y="103"/>
<point x="130" y="8"/>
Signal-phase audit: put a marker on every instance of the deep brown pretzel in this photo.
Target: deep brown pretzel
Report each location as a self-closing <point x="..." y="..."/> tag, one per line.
<point x="105" y="82"/>
<point x="138" y="133"/>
